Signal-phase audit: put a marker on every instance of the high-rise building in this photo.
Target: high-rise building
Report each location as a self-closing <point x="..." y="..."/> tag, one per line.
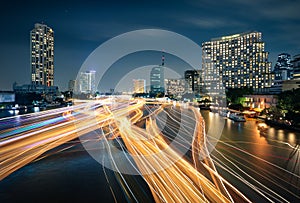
<point x="139" y="86"/>
<point x="42" y="55"/>
<point x="235" y="61"/>
<point x="86" y="83"/>
<point x="192" y="81"/>
<point x="157" y="78"/>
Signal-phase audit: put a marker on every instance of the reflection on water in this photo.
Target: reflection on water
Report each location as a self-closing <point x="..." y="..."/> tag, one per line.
<point x="267" y="159"/>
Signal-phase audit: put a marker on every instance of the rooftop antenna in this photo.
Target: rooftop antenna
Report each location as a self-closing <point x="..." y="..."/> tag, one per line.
<point x="163" y="58"/>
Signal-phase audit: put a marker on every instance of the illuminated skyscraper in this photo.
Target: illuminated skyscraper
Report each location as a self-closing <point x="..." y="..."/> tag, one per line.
<point x="42" y="55"/>
<point x="157" y="78"/>
<point x="139" y="86"/>
<point x="235" y="61"/>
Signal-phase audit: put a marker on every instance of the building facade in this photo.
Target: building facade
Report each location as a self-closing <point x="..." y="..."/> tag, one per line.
<point x="86" y="82"/>
<point x="283" y="69"/>
<point x="193" y="81"/>
<point x="296" y="67"/>
<point x="42" y="55"/>
<point x="71" y="85"/>
<point x="235" y="61"/>
<point x="282" y="73"/>
<point x="157" y="80"/>
<point x="260" y="102"/>
<point x="175" y="87"/>
<point x="139" y="86"/>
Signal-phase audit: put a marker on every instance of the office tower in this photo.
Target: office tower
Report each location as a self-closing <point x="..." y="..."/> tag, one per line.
<point x="283" y="69"/>
<point x="235" y="61"/>
<point x="157" y="78"/>
<point x="87" y="82"/>
<point x="139" y="86"/>
<point x="192" y="81"/>
<point x="42" y="55"/>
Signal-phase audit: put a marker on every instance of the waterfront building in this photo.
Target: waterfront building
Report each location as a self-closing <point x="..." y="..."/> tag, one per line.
<point x="139" y="86"/>
<point x="86" y="83"/>
<point x="7" y="97"/>
<point x="38" y="89"/>
<point x="235" y="61"/>
<point x="42" y="55"/>
<point x="260" y="102"/>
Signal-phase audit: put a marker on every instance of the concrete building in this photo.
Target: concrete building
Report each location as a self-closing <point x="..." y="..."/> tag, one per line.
<point x="296" y="67"/>
<point x="260" y="102"/>
<point x="139" y="86"/>
<point x="175" y="87"/>
<point x="38" y="89"/>
<point x="71" y="85"/>
<point x="42" y="55"/>
<point x="235" y="61"/>
<point x="86" y="82"/>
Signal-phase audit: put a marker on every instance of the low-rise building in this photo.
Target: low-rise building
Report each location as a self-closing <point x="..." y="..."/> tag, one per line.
<point x="260" y="102"/>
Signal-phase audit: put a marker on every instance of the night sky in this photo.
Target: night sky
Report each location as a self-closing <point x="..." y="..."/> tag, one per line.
<point x="81" y="26"/>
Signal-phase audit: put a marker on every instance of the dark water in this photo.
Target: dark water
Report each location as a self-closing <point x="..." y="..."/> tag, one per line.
<point x="268" y="160"/>
<point x="73" y="176"/>
<point x="68" y="176"/>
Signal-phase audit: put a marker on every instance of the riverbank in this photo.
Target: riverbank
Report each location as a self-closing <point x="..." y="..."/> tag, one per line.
<point x="282" y="125"/>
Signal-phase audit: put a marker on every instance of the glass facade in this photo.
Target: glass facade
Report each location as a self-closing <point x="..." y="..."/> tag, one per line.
<point x="157" y="80"/>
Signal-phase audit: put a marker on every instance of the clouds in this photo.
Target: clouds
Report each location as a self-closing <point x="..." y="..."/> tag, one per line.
<point x="209" y="23"/>
<point x="81" y="26"/>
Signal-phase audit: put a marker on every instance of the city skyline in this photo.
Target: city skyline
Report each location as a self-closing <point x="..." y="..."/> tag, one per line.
<point x="82" y="27"/>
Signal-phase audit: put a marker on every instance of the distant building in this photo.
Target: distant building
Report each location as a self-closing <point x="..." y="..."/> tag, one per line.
<point x="192" y="81"/>
<point x="157" y="77"/>
<point x="38" y="89"/>
<point x="7" y="97"/>
<point x="235" y="61"/>
<point x="296" y="67"/>
<point x="71" y="85"/>
<point x="283" y="71"/>
<point x="139" y="86"/>
<point x="175" y="87"/>
<point x="87" y="83"/>
<point x="42" y="55"/>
